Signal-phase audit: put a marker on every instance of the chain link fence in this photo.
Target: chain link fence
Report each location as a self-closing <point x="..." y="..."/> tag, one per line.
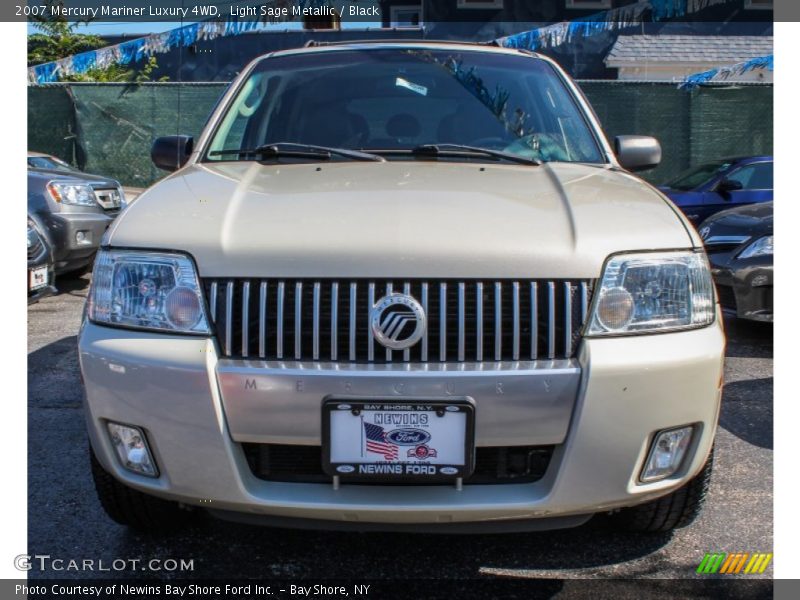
<point x="108" y="128"/>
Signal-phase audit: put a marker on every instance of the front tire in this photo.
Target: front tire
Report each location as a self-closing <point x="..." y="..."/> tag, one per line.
<point x="130" y="507"/>
<point x="676" y="510"/>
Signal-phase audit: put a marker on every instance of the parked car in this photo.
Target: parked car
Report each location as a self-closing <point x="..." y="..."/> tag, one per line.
<point x="74" y="209"/>
<point x="722" y="184"/>
<point x="739" y="243"/>
<point x="402" y="285"/>
<point x="41" y="275"/>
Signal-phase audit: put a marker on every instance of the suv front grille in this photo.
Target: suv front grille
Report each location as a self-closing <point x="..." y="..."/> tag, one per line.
<point x="303" y="464"/>
<point x="324" y="320"/>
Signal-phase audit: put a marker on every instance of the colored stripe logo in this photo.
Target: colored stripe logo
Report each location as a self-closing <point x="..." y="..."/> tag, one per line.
<point x="736" y="563"/>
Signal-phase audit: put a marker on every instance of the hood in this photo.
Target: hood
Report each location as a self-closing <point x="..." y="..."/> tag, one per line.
<point x="400" y="219"/>
<point x="750" y="220"/>
<point x="96" y="180"/>
<point x="682" y="198"/>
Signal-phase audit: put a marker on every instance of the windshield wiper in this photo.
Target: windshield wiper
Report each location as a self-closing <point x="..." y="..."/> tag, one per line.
<point x="464" y="150"/>
<point x="460" y="150"/>
<point x="293" y="150"/>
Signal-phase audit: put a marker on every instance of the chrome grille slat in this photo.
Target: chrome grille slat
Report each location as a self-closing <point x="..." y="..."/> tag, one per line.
<point x="515" y="312"/>
<point x="229" y="318"/>
<point x="370" y="336"/>
<point x="212" y="302"/>
<point x="279" y="328"/>
<point x="498" y="320"/>
<point x="551" y="320"/>
<point x="584" y="301"/>
<point x="315" y="342"/>
<point x="298" y="320"/>
<point x="461" y="317"/>
<point x="245" y="318"/>
<point x="407" y="351"/>
<point x="334" y="321"/>
<point x="467" y="320"/>
<point x="479" y="321"/>
<point x="534" y="320"/>
<point x="567" y="314"/>
<point x="424" y="340"/>
<point x="442" y="322"/>
<point x="389" y="289"/>
<point x="353" y="296"/>
<point x="262" y="319"/>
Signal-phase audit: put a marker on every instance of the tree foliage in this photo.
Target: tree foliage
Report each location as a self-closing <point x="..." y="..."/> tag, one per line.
<point x="57" y="38"/>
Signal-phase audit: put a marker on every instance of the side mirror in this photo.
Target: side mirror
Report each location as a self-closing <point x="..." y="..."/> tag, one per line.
<point x="726" y="186"/>
<point x="637" y="152"/>
<point x="172" y="151"/>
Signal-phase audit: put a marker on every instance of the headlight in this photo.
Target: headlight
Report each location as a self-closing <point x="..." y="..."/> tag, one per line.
<point x="761" y="247"/>
<point x="121" y="196"/>
<point x="72" y="193"/>
<point x="147" y="291"/>
<point x="33" y="236"/>
<point x="653" y="292"/>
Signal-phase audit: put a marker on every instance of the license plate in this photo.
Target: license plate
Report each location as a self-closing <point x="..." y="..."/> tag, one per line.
<point x="395" y="440"/>
<point x="37" y="278"/>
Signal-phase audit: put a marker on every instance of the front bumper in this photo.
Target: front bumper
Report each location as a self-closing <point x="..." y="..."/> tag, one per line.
<point x="69" y="254"/>
<point x="744" y="286"/>
<point x="601" y="412"/>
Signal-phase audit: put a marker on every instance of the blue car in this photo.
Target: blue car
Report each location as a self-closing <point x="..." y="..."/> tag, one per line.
<point x="726" y="183"/>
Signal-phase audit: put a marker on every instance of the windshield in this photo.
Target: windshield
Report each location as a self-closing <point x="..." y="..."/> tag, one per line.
<point x="389" y="100"/>
<point x="697" y="176"/>
<point x="49" y="162"/>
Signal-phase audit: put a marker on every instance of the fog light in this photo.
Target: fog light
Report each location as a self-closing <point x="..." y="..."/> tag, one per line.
<point x="666" y="454"/>
<point x="132" y="450"/>
<point x="83" y="238"/>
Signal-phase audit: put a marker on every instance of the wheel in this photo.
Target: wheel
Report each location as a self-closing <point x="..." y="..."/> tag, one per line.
<point x="130" y="507"/>
<point x="678" y="509"/>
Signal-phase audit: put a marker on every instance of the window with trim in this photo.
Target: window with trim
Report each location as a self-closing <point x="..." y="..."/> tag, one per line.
<point x="758" y="4"/>
<point x="405" y="16"/>
<point x="578" y="4"/>
<point x="491" y="4"/>
<point x="757" y="176"/>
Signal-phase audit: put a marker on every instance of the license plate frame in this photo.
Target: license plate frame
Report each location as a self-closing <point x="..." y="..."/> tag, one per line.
<point x="32" y="274"/>
<point x="425" y="471"/>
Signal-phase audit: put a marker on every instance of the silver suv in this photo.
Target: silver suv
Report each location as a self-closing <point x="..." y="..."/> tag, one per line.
<point x="402" y="285"/>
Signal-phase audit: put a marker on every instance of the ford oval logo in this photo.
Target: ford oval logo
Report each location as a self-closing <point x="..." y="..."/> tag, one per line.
<point x="408" y="437"/>
<point x="345" y="468"/>
<point x="448" y="470"/>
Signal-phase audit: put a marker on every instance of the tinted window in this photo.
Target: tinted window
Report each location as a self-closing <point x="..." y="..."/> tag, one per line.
<point x="401" y="98"/>
<point x="757" y="176"/>
<point x="697" y="176"/>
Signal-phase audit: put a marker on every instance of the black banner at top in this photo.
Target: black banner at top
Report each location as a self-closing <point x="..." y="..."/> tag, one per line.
<point x="398" y="13"/>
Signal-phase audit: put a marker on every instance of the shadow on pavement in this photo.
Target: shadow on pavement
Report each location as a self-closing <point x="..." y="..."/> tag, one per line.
<point x="748" y="339"/>
<point x="747" y="410"/>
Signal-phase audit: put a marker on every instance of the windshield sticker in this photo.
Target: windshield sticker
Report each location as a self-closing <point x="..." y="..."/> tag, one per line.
<point x="404" y="83"/>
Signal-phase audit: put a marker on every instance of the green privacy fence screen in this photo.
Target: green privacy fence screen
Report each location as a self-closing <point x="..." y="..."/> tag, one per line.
<point x="108" y="128"/>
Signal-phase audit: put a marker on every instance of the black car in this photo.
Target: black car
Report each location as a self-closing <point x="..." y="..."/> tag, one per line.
<point x="41" y="274"/>
<point x="739" y="243"/>
<point x="73" y="208"/>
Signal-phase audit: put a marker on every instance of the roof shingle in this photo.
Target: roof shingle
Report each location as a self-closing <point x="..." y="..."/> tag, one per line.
<point x="718" y="49"/>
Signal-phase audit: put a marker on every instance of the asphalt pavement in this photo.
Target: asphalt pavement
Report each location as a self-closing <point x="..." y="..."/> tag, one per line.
<point x="65" y="519"/>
